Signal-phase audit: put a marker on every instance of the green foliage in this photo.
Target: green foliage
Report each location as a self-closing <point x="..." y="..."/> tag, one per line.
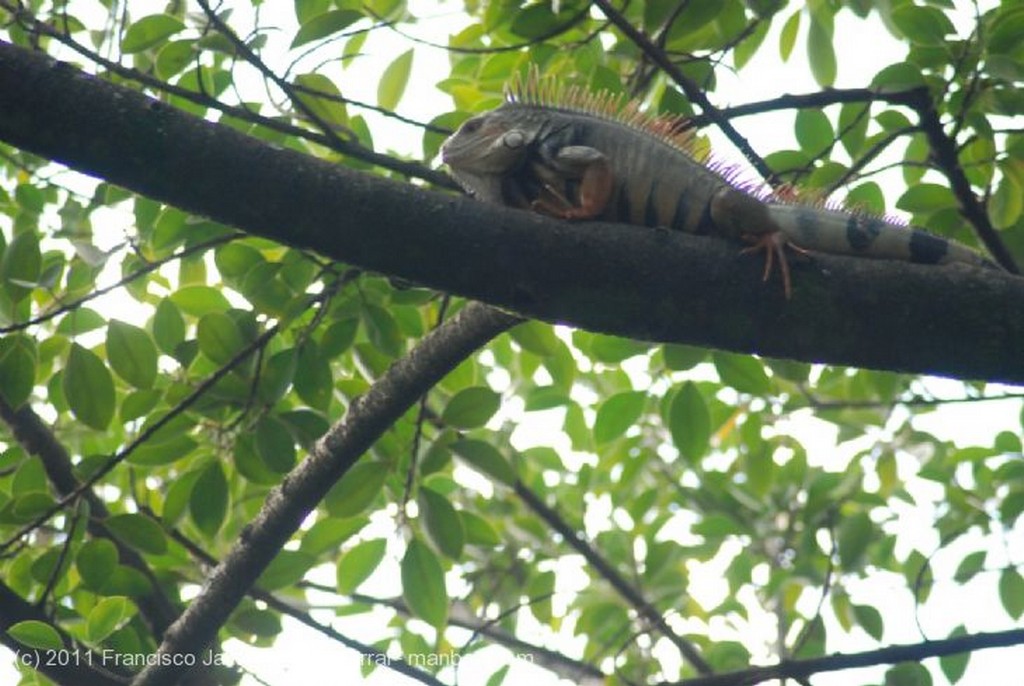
<point x="219" y="361"/>
<point x="35" y="634"/>
<point x="423" y="587"/>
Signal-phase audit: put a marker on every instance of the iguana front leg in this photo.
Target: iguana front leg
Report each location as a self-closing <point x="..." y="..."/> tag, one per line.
<point x="583" y="169"/>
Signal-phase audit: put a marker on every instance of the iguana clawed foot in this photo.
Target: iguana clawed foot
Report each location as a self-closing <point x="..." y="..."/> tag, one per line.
<point x="774" y="246"/>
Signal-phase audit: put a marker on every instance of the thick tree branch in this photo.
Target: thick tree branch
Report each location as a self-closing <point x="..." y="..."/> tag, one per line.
<point x="288" y="504"/>
<point x="330" y="140"/>
<point x="646" y="284"/>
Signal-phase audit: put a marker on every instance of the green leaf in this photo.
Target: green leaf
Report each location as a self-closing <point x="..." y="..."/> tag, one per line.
<point x="442" y="523"/>
<point x="382" y="330"/>
<point x="689" y="422"/>
<point x="81" y="320"/>
<point x="908" y="674"/>
<point x="926" y="198"/>
<point x="870" y="619"/>
<point x="954" y="666"/>
<point x="1011" y="592"/>
<point x="471" y="407"/>
<point x="159" y="452"/>
<point x="325" y="101"/>
<point x="539" y="592"/>
<point x="274" y="444"/>
<point x="21" y="264"/>
<point x="36" y="634"/>
<point x="208" y="502"/>
<point x="138" y="531"/>
<point x="30" y="477"/>
<point x="717" y="526"/>
<point x="423" y="587"/>
<point x="138" y="404"/>
<point x="853" y="125"/>
<point x="855" y="534"/>
<point x="743" y="372"/>
<point x="148" y="31"/>
<point x="478" y="530"/>
<point x="814" y="131"/>
<point x="173" y="57"/>
<point x="124" y="580"/>
<point x="328" y="534"/>
<point x="393" y="81"/>
<point x="305" y="10"/>
<point x="533" y="21"/>
<point x="867" y="197"/>
<point x="821" y="54"/>
<point x="358" y="563"/>
<point x="105" y="618"/>
<point x="286" y="569"/>
<point x="338" y="337"/>
<point x="357" y="489"/>
<point x="219" y="337"/>
<point x="498" y="677"/>
<point x="88" y="388"/>
<point x="17" y="369"/>
<point x="615" y="349"/>
<point x="1007" y="32"/>
<point x="682" y="357"/>
<point x="96" y="562"/>
<point x="168" y="326"/>
<point x="132" y="354"/>
<point x="486" y="459"/>
<point x="324" y="25"/>
<point x="313" y="379"/>
<point x="256" y="622"/>
<point x="1007" y="203"/>
<point x="748" y="47"/>
<point x="200" y="300"/>
<point x="787" y="37"/>
<point x="617" y="414"/>
<point x="922" y="25"/>
<point x="537" y="337"/>
<point x="970" y="566"/>
<point x="178" y="495"/>
<point x="898" y="77"/>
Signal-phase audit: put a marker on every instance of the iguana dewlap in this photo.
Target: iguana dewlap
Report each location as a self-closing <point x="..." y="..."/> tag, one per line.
<point x="578" y="156"/>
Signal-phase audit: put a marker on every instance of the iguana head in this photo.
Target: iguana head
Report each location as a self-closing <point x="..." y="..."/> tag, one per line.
<point x="493" y="144"/>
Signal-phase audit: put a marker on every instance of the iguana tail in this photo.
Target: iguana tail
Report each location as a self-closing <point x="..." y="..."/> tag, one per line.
<point x="835" y="231"/>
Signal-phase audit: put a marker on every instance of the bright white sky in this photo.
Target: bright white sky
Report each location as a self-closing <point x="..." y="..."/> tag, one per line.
<point x="302" y="656"/>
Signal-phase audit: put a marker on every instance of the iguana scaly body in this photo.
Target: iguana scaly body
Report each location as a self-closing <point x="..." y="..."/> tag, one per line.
<point x="573" y="155"/>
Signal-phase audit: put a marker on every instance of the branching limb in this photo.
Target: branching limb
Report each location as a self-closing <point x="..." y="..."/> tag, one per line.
<point x="288" y="504"/>
<point x="37" y="439"/>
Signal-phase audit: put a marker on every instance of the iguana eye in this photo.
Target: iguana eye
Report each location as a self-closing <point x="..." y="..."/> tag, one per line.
<point x="472" y="126"/>
<point x="513" y="139"/>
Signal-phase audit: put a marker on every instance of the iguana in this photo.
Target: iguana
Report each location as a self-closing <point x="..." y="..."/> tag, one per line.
<point x="575" y="155"/>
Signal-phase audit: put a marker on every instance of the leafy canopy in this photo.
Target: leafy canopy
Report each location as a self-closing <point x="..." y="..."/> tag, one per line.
<point x="161" y="373"/>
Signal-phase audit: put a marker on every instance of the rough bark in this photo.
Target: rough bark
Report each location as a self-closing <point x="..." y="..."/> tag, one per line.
<point x="646" y="284"/>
